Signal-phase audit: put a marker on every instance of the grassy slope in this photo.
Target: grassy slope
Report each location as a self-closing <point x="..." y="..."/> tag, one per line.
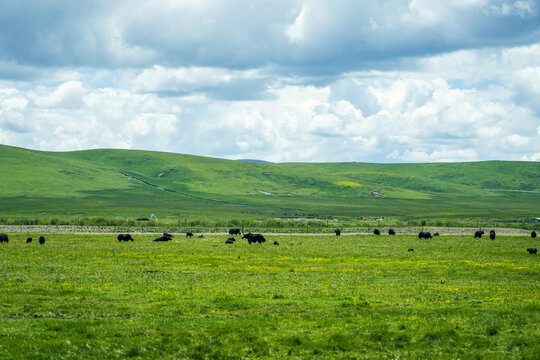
<point x="91" y="182"/>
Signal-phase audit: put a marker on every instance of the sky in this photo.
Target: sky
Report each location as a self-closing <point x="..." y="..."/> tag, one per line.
<point x="388" y="81"/>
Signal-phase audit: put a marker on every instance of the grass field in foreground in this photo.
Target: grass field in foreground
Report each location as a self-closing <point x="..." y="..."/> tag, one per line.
<point x="84" y="296"/>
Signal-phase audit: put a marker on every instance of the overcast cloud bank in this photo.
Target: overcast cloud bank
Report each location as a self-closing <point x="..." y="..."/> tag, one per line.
<point x="378" y="81"/>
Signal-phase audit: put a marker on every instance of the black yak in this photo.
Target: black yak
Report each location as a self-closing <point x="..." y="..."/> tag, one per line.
<point x="165" y="237"/>
<point x="189" y="234"/>
<point x="478" y="234"/>
<point x="410" y="250"/>
<point x="124" y="237"/>
<point x="532" y="251"/>
<point x="533" y="234"/>
<point x="200" y="236"/>
<point x="492" y="234"/>
<point x="29" y="240"/>
<point x="338" y="232"/>
<point x="391" y="232"/>
<point x="436" y="234"/>
<point x="276" y="243"/>
<point x="41" y="240"/>
<point x="424" y="235"/>
<point x="253" y="238"/>
<point x="376" y="232"/>
<point x="234" y="232"/>
<point x="4" y="238"/>
<point x="230" y="240"/>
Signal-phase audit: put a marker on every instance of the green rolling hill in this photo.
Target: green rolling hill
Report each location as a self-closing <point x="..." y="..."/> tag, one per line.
<point x="132" y="184"/>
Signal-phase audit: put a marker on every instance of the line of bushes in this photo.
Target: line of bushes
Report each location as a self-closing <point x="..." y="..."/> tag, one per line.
<point x="306" y="225"/>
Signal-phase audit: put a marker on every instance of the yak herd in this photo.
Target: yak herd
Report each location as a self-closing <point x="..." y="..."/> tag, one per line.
<point x="258" y="238"/>
<point x="5" y="238"/>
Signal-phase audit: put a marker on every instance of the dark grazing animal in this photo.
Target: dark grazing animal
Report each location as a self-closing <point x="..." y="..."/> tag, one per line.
<point x="391" y="232"/>
<point x="41" y="240"/>
<point x="234" y="232"/>
<point x="533" y="234"/>
<point x="253" y="238"/>
<point x="492" y="234"/>
<point x="124" y="237"/>
<point x="410" y="250"/>
<point x="165" y="237"/>
<point x="532" y="251"/>
<point x="338" y="232"/>
<point x="478" y="234"/>
<point x="4" y="238"/>
<point x="436" y="234"/>
<point x="424" y="235"/>
<point x="189" y="234"/>
<point x="200" y="236"/>
<point x="276" y="243"/>
<point x="29" y="240"/>
<point x="230" y="240"/>
<point x="376" y="232"/>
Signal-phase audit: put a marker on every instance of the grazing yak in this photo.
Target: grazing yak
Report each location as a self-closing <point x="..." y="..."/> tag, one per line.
<point x="492" y="234"/>
<point x="165" y="237"/>
<point x="436" y="234"/>
<point x="200" y="236"/>
<point x="532" y="251"/>
<point x="478" y="234"/>
<point x="41" y="240"/>
<point x="29" y="240"/>
<point x="230" y="240"/>
<point x="410" y="250"/>
<point x="189" y="234"/>
<point x="424" y="235"/>
<point x="391" y="232"/>
<point x="338" y="232"/>
<point x="276" y="243"/>
<point x="533" y="234"/>
<point x="376" y="232"/>
<point x="234" y="232"/>
<point x="124" y="237"/>
<point x="253" y="238"/>
<point x="4" y="238"/>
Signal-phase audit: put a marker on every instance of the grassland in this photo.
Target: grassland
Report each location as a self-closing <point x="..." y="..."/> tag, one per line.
<point x="87" y="296"/>
<point x="127" y="184"/>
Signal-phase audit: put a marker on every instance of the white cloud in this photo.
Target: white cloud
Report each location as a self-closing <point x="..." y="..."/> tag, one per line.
<point x="532" y="157"/>
<point x="68" y="95"/>
<point x="296" y="32"/>
<point x="283" y="81"/>
<point x="159" y="78"/>
<point x="435" y="156"/>
<point x="417" y="119"/>
<point x="516" y="140"/>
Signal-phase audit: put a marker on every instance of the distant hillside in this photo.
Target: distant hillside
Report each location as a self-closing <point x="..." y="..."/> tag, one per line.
<point x="131" y="184"/>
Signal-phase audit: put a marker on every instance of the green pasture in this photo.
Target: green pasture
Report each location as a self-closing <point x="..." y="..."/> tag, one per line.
<point x="129" y="184"/>
<point x="88" y="296"/>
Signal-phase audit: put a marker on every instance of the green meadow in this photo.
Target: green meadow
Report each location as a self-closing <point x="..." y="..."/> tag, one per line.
<point x="88" y="296"/>
<point x="130" y="184"/>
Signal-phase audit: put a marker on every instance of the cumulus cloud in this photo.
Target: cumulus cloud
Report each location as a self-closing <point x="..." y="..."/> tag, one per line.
<point x="377" y="80"/>
<point x="246" y="34"/>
